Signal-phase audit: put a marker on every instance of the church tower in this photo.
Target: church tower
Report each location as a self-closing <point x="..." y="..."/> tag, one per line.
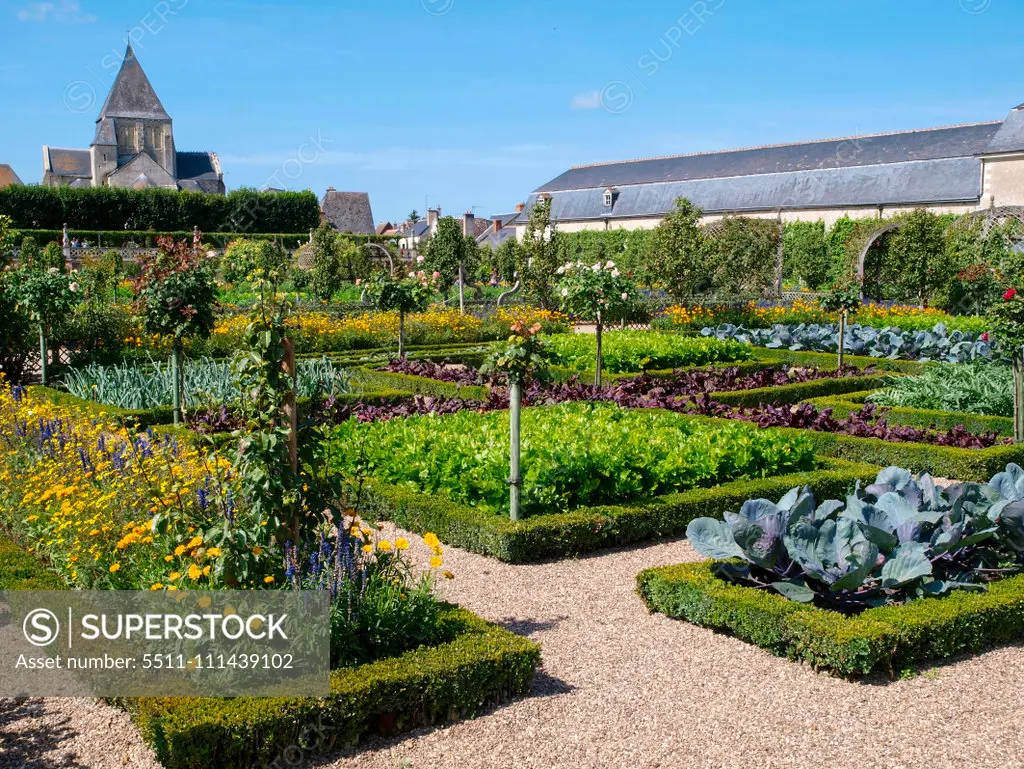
<point x="132" y="122"/>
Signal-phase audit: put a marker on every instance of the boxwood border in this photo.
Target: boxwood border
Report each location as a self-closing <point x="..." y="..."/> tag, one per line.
<point x="482" y="666"/>
<point x="560" y="535"/>
<point x="885" y="639"/>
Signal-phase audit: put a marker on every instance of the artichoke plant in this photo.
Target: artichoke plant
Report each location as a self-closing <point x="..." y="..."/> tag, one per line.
<point x="896" y="539"/>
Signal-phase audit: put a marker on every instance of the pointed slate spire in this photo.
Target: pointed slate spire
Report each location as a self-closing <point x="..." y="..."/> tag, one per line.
<point x="132" y="95"/>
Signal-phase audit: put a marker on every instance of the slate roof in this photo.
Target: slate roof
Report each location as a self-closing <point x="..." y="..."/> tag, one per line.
<point x="921" y="182"/>
<point x="193" y="164"/>
<point x="348" y="211"/>
<point x="65" y="162"/>
<point x="7" y="176"/>
<point x="928" y="144"/>
<point x="105" y="133"/>
<point x="506" y="219"/>
<point x="495" y="239"/>
<point x="132" y="95"/>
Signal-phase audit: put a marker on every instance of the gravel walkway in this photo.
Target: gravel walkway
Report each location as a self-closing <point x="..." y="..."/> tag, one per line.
<point x="623" y="688"/>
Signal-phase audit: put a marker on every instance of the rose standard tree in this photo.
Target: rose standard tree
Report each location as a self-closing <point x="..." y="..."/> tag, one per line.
<point x="176" y="294"/>
<point x="520" y="358"/>
<point x="843" y="299"/>
<point x="48" y="296"/>
<point x="411" y="293"/>
<point x="598" y="292"/>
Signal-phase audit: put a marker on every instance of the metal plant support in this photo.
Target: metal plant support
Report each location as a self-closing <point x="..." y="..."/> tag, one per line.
<point x="515" y="480"/>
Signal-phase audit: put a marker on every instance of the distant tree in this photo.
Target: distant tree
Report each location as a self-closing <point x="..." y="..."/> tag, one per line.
<point x="414" y="216"/>
<point x="537" y="259"/>
<point x="678" y="257"/>
<point x="505" y="257"/>
<point x="6" y="238"/>
<point x="444" y="251"/>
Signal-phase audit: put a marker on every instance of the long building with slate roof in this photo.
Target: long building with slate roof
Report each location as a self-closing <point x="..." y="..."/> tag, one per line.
<point x="133" y="145"/>
<point x="947" y="170"/>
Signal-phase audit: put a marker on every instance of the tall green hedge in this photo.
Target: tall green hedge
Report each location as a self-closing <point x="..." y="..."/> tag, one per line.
<point x="118" y="208"/>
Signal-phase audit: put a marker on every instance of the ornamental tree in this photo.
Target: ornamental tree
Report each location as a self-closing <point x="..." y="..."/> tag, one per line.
<point x="537" y="256"/>
<point x="175" y="296"/>
<point x="47" y="295"/>
<point x="599" y="292"/>
<point x="410" y="293"/>
<point x="843" y="298"/>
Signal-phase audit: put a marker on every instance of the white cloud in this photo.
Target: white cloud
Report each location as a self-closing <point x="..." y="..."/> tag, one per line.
<point x="64" y="12"/>
<point x="589" y="100"/>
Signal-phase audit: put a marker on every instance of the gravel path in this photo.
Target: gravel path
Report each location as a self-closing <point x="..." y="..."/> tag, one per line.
<point x="623" y="688"/>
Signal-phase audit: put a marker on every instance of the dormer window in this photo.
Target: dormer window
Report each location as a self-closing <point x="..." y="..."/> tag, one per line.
<point x="609" y="196"/>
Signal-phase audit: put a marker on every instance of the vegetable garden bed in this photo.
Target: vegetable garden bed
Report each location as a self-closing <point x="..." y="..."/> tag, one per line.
<point x="887" y="639"/>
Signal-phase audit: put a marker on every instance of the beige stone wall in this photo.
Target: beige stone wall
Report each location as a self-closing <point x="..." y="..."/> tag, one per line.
<point x="1004" y="180"/>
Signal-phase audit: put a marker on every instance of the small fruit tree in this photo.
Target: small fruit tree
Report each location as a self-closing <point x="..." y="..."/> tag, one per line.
<point x="1007" y="316"/>
<point x="410" y="293"/>
<point x="599" y="292"/>
<point x="519" y="359"/>
<point x="176" y="294"/>
<point x="843" y="299"/>
<point x="47" y="295"/>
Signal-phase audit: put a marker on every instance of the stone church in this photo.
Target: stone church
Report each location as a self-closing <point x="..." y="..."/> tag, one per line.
<point x="134" y="145"/>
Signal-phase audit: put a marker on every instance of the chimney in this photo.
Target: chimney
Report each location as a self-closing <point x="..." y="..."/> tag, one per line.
<point x="469" y="224"/>
<point x="433" y="214"/>
<point x="520" y="207"/>
<point x="497" y="224"/>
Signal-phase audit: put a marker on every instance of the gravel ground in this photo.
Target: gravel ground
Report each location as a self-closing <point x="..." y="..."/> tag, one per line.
<point x="622" y="688"/>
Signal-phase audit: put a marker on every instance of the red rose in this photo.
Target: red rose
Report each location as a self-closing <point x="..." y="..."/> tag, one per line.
<point x="984" y="337"/>
<point x="1009" y="294"/>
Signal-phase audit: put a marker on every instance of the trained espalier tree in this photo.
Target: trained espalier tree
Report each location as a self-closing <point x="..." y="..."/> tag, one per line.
<point x="520" y="358"/>
<point x="679" y="256"/>
<point x="175" y="295"/>
<point x="844" y="299"/>
<point x="47" y="295"/>
<point x="597" y="292"/>
<point x="1007" y="315"/>
<point x="412" y="292"/>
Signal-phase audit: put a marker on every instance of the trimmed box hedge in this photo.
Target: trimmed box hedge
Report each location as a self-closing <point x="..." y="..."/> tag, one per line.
<point x="843" y="406"/>
<point x="797" y="392"/>
<point x="481" y="666"/>
<point x="369" y="378"/>
<point x="886" y="639"/>
<point x="566" y="534"/>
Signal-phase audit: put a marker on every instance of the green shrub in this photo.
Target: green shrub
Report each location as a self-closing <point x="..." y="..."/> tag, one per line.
<point x="482" y="666"/>
<point x="21" y="571"/>
<point x="635" y="351"/>
<point x="886" y="639"/>
<point x="573" y="455"/>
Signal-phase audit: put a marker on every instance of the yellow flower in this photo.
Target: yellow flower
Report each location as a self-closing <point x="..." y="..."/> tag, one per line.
<point x="174" y="576"/>
<point x="435" y="562"/>
<point x="204" y="602"/>
<point x="179" y="550"/>
<point x="168" y="558"/>
<point x="431" y="539"/>
<point x="367" y="548"/>
<point x="213" y="552"/>
<point x="115" y="567"/>
<point x="257" y="550"/>
<point x="401" y="543"/>
<point x="268" y="580"/>
<point x="157" y="586"/>
<point x="172" y="587"/>
<point x="194" y="572"/>
<point x="384" y="545"/>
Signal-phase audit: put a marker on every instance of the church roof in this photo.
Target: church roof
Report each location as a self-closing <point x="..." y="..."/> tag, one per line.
<point x="195" y="164"/>
<point x="132" y="95"/>
<point x="65" y="162"/>
<point x="928" y="144"/>
<point x="348" y="211"/>
<point x="105" y="132"/>
<point x="7" y="176"/>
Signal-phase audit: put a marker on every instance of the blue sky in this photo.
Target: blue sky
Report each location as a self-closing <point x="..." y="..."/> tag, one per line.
<point x="472" y="104"/>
